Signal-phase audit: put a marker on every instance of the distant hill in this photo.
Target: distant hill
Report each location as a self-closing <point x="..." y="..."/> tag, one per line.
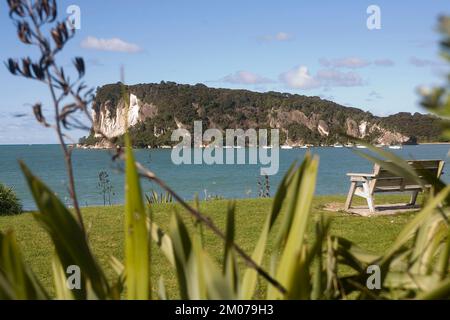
<point x="156" y="109"/>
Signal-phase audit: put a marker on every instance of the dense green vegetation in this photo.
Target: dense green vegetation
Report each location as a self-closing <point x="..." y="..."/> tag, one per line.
<point x="9" y="202"/>
<point x="425" y="128"/>
<point x="296" y="115"/>
<point x="106" y="233"/>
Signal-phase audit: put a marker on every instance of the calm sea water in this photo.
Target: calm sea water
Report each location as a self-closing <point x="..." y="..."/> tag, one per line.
<point x="230" y="181"/>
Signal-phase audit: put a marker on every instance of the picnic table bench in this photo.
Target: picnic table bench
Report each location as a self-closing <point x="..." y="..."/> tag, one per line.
<point x="381" y="180"/>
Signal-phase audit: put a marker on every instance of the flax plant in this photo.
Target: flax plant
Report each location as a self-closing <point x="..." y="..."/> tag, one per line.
<point x="416" y="266"/>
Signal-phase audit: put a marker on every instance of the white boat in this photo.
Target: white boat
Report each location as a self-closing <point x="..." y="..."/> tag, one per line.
<point x="337" y="145"/>
<point x="395" y="147"/>
<point x="227" y="147"/>
<point x="349" y="145"/>
<point x="359" y="146"/>
<point x="267" y="147"/>
<point x="286" y="147"/>
<point x="304" y="147"/>
<point x="237" y="147"/>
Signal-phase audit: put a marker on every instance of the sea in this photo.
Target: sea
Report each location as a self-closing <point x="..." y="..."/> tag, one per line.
<point x="188" y="180"/>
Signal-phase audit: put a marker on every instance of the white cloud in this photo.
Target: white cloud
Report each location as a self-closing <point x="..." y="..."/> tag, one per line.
<point x="336" y="78"/>
<point x="425" y="62"/>
<point x="375" y="95"/>
<point x="424" y="43"/>
<point x="245" y="77"/>
<point x="113" y="44"/>
<point x="280" y="36"/>
<point x="384" y="62"/>
<point x="354" y="62"/>
<point x="283" y="36"/>
<point x="349" y="62"/>
<point x="299" y="78"/>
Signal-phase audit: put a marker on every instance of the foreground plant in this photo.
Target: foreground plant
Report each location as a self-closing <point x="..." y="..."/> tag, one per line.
<point x="416" y="265"/>
<point x="105" y="187"/>
<point x="302" y="267"/>
<point x="9" y="202"/>
<point x="153" y="197"/>
<point x="68" y="97"/>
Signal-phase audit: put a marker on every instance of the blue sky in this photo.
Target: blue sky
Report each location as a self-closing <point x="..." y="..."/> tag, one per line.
<point x="320" y="48"/>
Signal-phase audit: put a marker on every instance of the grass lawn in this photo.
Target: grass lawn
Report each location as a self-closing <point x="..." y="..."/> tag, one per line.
<point x="105" y="227"/>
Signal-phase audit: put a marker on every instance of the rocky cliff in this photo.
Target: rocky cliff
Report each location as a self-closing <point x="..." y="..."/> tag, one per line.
<point x="156" y="109"/>
<point x="113" y="120"/>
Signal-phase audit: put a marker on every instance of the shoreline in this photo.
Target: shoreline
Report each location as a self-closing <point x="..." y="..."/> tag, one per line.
<point x="318" y="197"/>
<point x="433" y="143"/>
<point x="88" y="147"/>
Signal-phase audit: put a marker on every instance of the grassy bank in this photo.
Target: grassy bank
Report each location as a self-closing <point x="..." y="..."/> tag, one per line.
<point x="105" y="227"/>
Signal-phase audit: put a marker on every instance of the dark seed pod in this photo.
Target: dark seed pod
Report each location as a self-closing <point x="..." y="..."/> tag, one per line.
<point x="62" y="29"/>
<point x="37" y="110"/>
<point x="26" y="71"/>
<point x="16" y="7"/>
<point x="79" y="65"/>
<point x="38" y="72"/>
<point x="65" y="112"/>
<point x="40" y="10"/>
<point x="53" y="11"/>
<point x="12" y="66"/>
<point x="44" y="42"/>
<point x="23" y="32"/>
<point x="57" y="38"/>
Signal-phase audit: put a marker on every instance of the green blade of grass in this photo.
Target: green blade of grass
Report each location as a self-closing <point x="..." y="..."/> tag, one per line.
<point x="17" y="281"/>
<point x="137" y="266"/>
<point x="182" y="247"/>
<point x="444" y="259"/>
<point x="162" y="240"/>
<point x="59" y="279"/>
<point x="67" y="236"/>
<point x="250" y="276"/>
<point x="412" y="226"/>
<point x="291" y="263"/>
<point x="229" y="268"/>
<point x="442" y="291"/>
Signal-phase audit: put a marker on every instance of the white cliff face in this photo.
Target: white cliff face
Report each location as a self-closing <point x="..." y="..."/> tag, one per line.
<point x="323" y="128"/>
<point x="116" y="126"/>
<point x="386" y="136"/>
<point x="362" y="129"/>
<point x="133" y="112"/>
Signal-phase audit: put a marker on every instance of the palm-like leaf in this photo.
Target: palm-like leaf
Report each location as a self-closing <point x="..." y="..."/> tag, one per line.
<point x="137" y="266"/>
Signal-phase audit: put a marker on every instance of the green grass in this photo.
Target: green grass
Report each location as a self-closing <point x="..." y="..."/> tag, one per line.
<point x="105" y="228"/>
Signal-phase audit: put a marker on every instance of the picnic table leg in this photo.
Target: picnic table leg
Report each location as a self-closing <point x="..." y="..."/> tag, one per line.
<point x="413" y="199"/>
<point x="351" y="192"/>
<point x="370" y="203"/>
<point x="369" y="196"/>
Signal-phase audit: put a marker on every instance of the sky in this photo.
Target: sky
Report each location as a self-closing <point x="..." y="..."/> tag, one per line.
<point x="315" y="48"/>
